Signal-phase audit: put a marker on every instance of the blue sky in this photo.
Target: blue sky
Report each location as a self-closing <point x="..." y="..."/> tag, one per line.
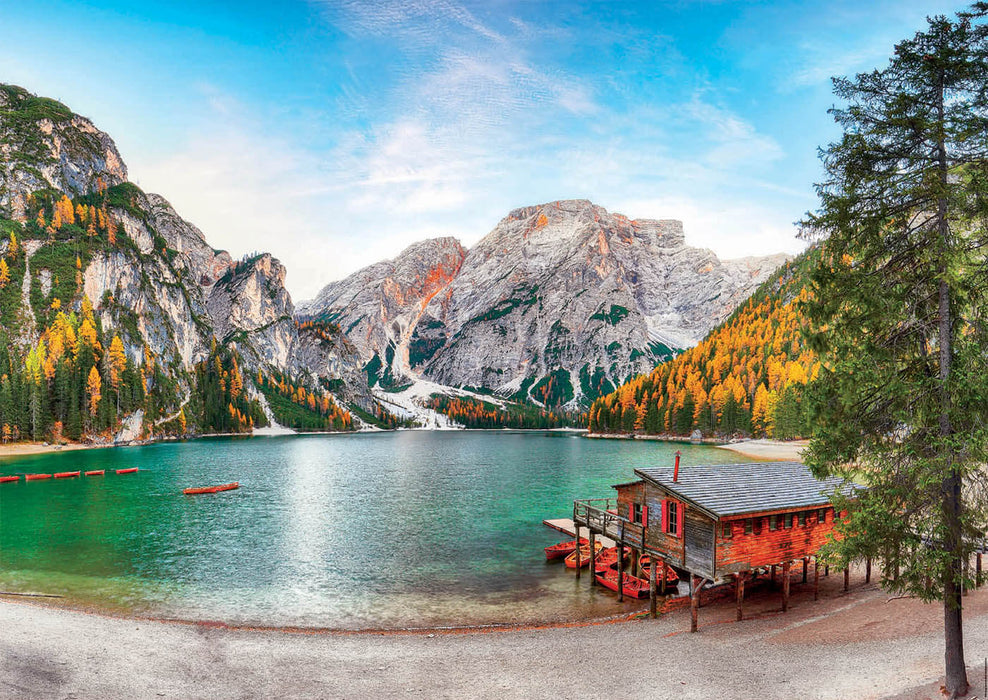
<point x="335" y="133"/>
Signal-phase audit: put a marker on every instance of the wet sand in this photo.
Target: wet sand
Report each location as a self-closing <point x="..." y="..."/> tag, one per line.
<point x="855" y="645"/>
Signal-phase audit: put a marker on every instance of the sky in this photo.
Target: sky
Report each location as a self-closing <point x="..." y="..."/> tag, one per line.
<point x="334" y="133"/>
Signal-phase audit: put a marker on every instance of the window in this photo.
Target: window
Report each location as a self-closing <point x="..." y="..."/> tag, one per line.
<point x="758" y="526"/>
<point x="802" y="518"/>
<point x="636" y="513"/>
<point x="788" y="521"/>
<point x="672" y="519"/>
<point x="727" y="530"/>
<point x="748" y="526"/>
<point x="821" y="515"/>
<point x="773" y="522"/>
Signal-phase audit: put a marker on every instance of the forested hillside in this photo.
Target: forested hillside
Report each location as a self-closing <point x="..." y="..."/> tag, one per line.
<point x="747" y="377"/>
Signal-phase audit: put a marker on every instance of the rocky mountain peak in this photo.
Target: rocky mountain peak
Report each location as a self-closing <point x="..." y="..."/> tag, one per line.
<point x="43" y="144"/>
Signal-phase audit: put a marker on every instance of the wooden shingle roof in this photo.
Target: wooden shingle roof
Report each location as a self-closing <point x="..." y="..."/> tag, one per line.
<point x="734" y="489"/>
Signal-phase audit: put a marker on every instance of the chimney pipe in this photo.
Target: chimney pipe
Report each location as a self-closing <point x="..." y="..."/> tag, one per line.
<point x="675" y="472"/>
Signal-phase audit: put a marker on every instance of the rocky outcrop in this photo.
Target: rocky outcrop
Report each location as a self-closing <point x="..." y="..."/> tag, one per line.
<point x="44" y="145"/>
<point x="558" y="304"/>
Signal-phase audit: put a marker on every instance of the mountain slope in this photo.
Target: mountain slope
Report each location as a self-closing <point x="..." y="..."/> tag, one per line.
<point x="558" y="304"/>
<point x="193" y="330"/>
<point x="746" y="377"/>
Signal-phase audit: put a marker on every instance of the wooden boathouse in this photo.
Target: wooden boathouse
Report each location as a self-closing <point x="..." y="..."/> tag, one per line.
<point x="718" y="521"/>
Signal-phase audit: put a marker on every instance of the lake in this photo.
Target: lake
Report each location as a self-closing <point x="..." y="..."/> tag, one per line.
<point x="357" y="531"/>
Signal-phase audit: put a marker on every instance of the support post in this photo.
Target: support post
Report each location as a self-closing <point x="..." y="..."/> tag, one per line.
<point x="826" y="571"/>
<point x="847" y="578"/>
<point x="816" y="578"/>
<point x="806" y="564"/>
<point x="740" y="592"/>
<point x="785" y="586"/>
<point x="620" y="567"/>
<point x="579" y="564"/>
<point x="694" y="602"/>
<point x="771" y="582"/>
<point x="662" y="583"/>
<point x="593" y="557"/>
<point x="868" y="570"/>
<point x="652" y="598"/>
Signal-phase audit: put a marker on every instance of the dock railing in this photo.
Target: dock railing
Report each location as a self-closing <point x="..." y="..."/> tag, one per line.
<point x="600" y="515"/>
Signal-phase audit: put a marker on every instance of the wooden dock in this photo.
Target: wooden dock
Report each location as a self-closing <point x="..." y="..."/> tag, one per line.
<point x="567" y="527"/>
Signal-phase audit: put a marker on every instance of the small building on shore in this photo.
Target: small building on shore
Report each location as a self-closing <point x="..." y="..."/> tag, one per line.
<point x="720" y="520"/>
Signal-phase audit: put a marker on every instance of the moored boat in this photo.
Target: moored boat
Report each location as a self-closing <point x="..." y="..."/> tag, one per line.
<point x="66" y="475"/>
<point x="558" y="551"/>
<point x="608" y="558"/>
<point x="8" y="479"/>
<point x="96" y="472"/>
<point x="212" y="489"/>
<point x="631" y="585"/>
<point x="570" y="560"/>
<point x="645" y="565"/>
<point x="36" y="477"/>
<point x="128" y="470"/>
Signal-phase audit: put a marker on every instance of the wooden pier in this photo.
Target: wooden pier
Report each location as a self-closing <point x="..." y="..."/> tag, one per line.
<point x="567" y="527"/>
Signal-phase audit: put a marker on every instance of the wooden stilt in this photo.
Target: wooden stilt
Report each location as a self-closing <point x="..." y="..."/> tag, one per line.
<point x="593" y="558"/>
<point x="694" y="602"/>
<point x="771" y="582"/>
<point x="868" y="570"/>
<point x="739" y="582"/>
<point x="662" y="583"/>
<point x="816" y="579"/>
<point x="620" y="567"/>
<point x="579" y="564"/>
<point x="977" y="570"/>
<point x="847" y="578"/>
<point x="806" y="564"/>
<point x="652" y="597"/>
<point x="785" y="586"/>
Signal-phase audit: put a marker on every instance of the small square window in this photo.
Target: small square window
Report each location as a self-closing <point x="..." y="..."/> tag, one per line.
<point x="773" y="522"/>
<point x="727" y="530"/>
<point x="788" y="521"/>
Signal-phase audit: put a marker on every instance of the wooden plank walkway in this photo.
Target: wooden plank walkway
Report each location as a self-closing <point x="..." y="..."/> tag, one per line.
<point x="566" y="526"/>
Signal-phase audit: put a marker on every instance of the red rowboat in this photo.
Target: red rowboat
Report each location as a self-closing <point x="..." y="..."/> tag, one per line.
<point x="558" y="551"/>
<point x="645" y="564"/>
<point x="36" y="477"/>
<point x="128" y="470"/>
<point x="5" y="479"/>
<point x="66" y="475"/>
<point x="631" y="585"/>
<point x="570" y="560"/>
<point x="96" y="472"/>
<point x="212" y="489"/>
<point x="608" y="558"/>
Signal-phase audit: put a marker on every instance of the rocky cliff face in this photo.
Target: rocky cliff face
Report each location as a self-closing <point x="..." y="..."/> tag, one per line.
<point x="43" y="144"/>
<point x="158" y="284"/>
<point x="558" y="304"/>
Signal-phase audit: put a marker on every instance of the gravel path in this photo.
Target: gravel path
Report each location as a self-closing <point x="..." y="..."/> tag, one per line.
<point x="856" y="645"/>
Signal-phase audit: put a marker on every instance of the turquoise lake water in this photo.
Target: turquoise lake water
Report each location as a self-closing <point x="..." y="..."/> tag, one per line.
<point x="385" y="530"/>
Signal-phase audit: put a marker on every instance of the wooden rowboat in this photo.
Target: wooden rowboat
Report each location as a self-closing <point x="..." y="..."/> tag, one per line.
<point x="608" y="558"/>
<point x="7" y="479"/>
<point x="570" y="560"/>
<point x="36" y="477"/>
<point x="96" y="472"/>
<point x="645" y="564"/>
<point x="212" y="489"/>
<point x="558" y="551"/>
<point x="66" y="475"/>
<point x="631" y="585"/>
<point x="128" y="470"/>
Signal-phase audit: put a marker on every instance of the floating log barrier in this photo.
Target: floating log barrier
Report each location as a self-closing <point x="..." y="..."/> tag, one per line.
<point x="96" y="472"/>
<point x="36" y="477"/>
<point x="128" y="470"/>
<point x="66" y="475"/>
<point x="8" y="479"/>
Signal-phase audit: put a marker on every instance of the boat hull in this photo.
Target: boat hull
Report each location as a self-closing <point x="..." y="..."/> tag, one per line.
<point x="561" y="550"/>
<point x="36" y="477"/>
<point x="212" y="489"/>
<point x="128" y="470"/>
<point x="570" y="560"/>
<point x="96" y="472"/>
<point x="631" y="585"/>
<point x="9" y="479"/>
<point x="66" y="475"/>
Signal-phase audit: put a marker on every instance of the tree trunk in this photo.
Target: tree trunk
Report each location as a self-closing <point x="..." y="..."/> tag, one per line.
<point x="953" y="629"/>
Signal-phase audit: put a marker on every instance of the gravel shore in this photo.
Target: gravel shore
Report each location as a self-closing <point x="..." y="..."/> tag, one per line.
<point x="769" y="449"/>
<point x="856" y="645"/>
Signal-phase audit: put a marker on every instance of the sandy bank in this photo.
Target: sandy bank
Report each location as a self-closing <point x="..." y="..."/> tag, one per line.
<point x="22" y="449"/>
<point x="769" y="449"/>
<point x="842" y="646"/>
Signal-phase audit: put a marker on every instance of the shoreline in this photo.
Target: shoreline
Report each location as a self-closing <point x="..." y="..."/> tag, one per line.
<point x="57" y="652"/>
<point x="775" y="450"/>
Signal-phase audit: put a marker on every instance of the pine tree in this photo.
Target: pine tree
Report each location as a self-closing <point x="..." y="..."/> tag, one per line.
<point x="4" y="273"/>
<point x="899" y="310"/>
<point x="116" y="359"/>
<point x="94" y="386"/>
